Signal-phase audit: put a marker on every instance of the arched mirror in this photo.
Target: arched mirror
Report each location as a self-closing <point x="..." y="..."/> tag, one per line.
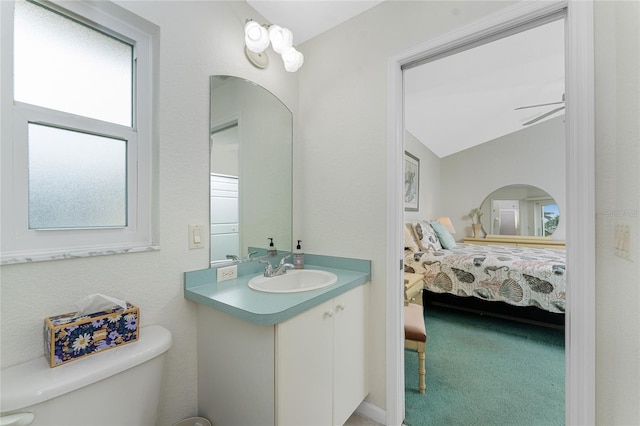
<point x="251" y="135"/>
<point x="520" y="210"/>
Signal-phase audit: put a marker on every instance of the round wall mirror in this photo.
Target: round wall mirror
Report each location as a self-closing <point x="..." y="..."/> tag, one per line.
<point x="520" y="210"/>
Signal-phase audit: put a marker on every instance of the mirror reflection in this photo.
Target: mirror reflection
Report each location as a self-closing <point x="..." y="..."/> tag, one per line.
<point x="251" y="134"/>
<point x="520" y="210"/>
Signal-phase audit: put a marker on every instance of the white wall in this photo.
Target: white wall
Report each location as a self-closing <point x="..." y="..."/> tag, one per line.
<point x="617" y="54"/>
<point x="224" y="151"/>
<point x="533" y="156"/>
<point x="197" y="39"/>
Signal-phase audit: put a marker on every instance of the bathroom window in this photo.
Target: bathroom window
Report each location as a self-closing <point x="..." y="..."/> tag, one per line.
<point x="88" y="72"/>
<point x="77" y="155"/>
<point x="76" y="180"/>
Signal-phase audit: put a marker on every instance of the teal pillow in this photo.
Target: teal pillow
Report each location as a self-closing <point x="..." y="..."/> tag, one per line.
<point x="445" y="237"/>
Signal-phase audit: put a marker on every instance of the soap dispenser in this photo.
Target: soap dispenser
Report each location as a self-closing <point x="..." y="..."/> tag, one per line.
<point x="298" y="257"/>
<point x="271" y="250"/>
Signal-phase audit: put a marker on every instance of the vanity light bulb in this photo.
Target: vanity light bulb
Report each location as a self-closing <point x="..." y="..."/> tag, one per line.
<point x="256" y="37"/>
<point x="292" y="59"/>
<point x="281" y="38"/>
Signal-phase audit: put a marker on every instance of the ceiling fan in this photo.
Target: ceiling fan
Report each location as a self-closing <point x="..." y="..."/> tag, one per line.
<point x="546" y="114"/>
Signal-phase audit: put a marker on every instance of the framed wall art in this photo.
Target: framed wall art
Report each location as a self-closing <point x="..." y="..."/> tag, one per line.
<point x="411" y="182"/>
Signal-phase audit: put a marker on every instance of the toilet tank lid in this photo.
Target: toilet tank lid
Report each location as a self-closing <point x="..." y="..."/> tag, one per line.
<point x="34" y="381"/>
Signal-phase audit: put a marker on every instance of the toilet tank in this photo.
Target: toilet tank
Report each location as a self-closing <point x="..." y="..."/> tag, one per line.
<point x="120" y="386"/>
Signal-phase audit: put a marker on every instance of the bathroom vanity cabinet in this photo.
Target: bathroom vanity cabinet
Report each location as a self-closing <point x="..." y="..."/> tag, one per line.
<point x="309" y="369"/>
<point x="320" y="362"/>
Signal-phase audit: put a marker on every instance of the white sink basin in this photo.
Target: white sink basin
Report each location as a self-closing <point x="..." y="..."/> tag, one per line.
<point x="294" y="281"/>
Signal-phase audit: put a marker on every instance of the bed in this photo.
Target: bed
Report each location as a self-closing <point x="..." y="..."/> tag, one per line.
<point x="518" y="276"/>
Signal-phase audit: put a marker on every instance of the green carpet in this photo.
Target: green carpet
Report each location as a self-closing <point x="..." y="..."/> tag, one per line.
<point x="486" y="371"/>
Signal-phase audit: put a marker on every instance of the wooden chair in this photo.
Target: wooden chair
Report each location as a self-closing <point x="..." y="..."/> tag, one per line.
<point x="415" y="337"/>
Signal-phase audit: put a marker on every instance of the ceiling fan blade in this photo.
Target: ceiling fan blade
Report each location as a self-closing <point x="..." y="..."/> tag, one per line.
<point x="545" y="115"/>
<point x="539" y="105"/>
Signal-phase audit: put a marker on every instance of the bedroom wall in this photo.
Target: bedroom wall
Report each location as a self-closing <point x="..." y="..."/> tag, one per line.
<point x="197" y="39"/>
<point x="429" y="196"/>
<point x="617" y="55"/>
<point x="533" y="156"/>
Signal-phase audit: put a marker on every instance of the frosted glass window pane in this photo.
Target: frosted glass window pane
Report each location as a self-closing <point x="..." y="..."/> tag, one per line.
<point x="76" y="180"/>
<point x="64" y="65"/>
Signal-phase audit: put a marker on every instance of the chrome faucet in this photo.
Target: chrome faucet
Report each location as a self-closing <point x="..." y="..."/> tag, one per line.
<point x="280" y="270"/>
<point x="238" y="259"/>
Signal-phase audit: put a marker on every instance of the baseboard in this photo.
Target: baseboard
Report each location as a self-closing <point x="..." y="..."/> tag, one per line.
<point x="373" y="412"/>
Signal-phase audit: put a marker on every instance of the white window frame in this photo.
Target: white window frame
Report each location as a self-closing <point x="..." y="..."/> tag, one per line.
<point x="21" y="244"/>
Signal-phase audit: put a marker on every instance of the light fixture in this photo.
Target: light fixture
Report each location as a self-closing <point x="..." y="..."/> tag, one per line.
<point x="257" y="38"/>
<point x="281" y="39"/>
<point x="292" y="59"/>
<point x="447" y="224"/>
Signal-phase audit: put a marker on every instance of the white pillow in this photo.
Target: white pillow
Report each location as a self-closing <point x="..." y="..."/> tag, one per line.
<point x="409" y="241"/>
<point x="425" y="236"/>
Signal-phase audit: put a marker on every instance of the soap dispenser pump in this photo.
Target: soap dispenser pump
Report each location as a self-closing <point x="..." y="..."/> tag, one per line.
<point x="271" y="250"/>
<point x="298" y="257"/>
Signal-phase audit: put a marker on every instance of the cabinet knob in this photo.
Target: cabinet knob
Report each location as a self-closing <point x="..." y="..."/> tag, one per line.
<point x="340" y="307"/>
<point x="329" y="313"/>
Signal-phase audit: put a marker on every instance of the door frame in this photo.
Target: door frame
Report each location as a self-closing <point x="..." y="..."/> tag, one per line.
<point x="580" y="159"/>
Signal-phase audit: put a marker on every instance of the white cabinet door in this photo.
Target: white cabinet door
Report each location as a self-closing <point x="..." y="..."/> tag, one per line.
<point x="236" y="370"/>
<point x="321" y="362"/>
<point x="304" y="379"/>
<point x="349" y="353"/>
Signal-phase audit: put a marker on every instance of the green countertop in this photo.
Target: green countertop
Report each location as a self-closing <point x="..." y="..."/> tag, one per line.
<point x="236" y="298"/>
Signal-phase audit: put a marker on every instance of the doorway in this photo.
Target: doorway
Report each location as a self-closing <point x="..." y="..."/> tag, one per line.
<point x="580" y="334"/>
<point x="466" y="124"/>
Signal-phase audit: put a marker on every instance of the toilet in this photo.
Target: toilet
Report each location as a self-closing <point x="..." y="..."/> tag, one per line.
<point x="120" y="386"/>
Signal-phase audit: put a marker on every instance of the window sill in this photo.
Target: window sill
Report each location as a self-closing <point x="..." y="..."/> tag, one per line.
<point x="11" y="259"/>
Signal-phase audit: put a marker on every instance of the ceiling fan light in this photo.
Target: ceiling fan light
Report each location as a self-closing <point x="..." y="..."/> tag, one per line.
<point x="281" y="38"/>
<point x="256" y="37"/>
<point x="292" y="59"/>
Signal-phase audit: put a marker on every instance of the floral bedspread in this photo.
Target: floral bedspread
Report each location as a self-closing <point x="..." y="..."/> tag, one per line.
<point x="520" y="276"/>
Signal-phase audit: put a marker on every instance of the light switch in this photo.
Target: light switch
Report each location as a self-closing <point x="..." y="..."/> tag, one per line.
<point x="195" y="237"/>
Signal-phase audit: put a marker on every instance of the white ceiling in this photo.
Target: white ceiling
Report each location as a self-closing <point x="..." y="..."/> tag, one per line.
<point x="308" y="18"/>
<point x="461" y="100"/>
<point x="470" y="98"/>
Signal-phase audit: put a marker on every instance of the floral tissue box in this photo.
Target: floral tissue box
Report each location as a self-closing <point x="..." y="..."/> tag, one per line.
<point x="68" y="338"/>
